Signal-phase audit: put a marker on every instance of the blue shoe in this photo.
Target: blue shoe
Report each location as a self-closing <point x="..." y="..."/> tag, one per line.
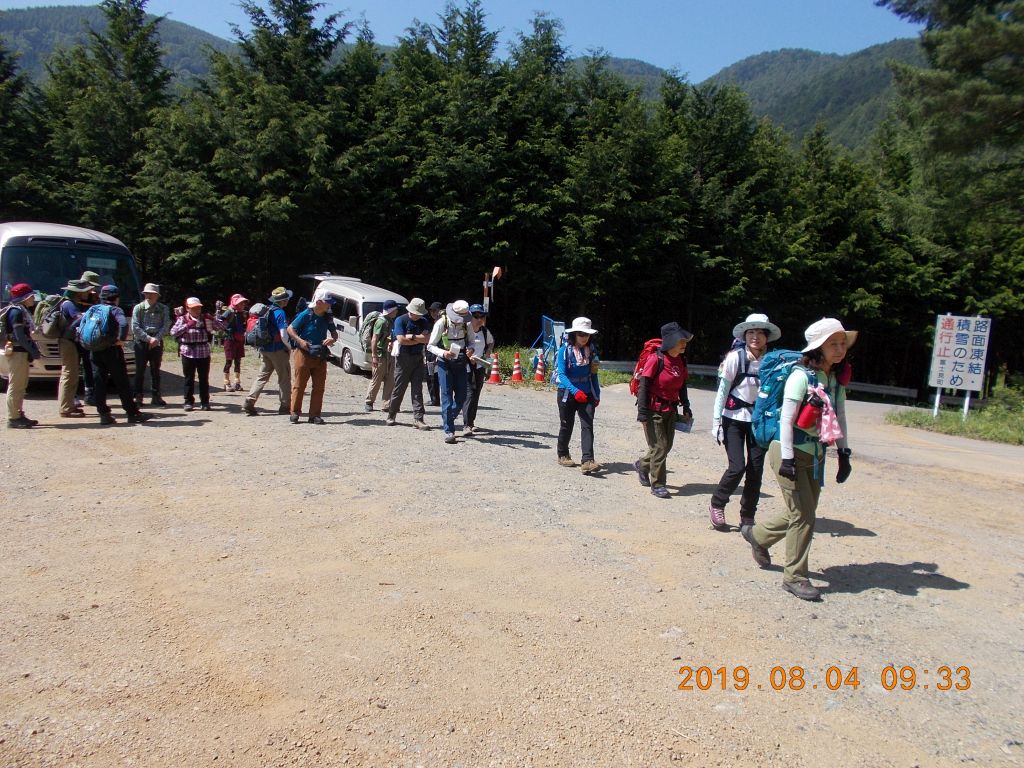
<point x="645" y="479"/>
<point x="661" y="492"/>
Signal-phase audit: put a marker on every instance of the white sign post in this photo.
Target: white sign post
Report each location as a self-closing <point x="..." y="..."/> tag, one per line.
<point x="958" y="356"/>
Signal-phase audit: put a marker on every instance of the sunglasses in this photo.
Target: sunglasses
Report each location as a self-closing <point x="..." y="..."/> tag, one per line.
<point x="478" y="315"/>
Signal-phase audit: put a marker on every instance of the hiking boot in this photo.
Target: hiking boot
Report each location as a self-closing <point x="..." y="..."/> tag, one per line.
<point x="368" y="407"/>
<point x="589" y="466"/>
<point x="645" y="478"/>
<point x="449" y="437"/>
<point x="566" y="461"/>
<point x="421" y="425"/>
<point x="19" y="423"/>
<point x="139" y="418"/>
<point x="745" y="521"/>
<point x="238" y="386"/>
<point x="205" y="407"/>
<point x="389" y="421"/>
<point x="283" y="410"/>
<point x="468" y="431"/>
<point x="761" y="556"/>
<point x="72" y="414"/>
<point x="315" y="420"/>
<point x="661" y="492"/>
<point x="138" y="401"/>
<point x="227" y="386"/>
<point x="106" y="419"/>
<point x="157" y="401"/>
<point x="717" y="515"/>
<point x="294" y="418"/>
<point x="249" y="408"/>
<point x="802" y="589"/>
<point x="189" y="407"/>
<point x="31" y="422"/>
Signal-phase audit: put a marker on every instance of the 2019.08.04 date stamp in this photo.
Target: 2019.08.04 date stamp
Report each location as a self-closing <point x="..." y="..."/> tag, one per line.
<point x="833" y="678"/>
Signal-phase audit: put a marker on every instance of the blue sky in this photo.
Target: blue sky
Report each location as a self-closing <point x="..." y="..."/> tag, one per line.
<point x="696" y="37"/>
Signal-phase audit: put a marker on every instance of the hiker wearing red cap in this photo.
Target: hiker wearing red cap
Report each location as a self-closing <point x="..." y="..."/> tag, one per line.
<point x="20" y="350"/>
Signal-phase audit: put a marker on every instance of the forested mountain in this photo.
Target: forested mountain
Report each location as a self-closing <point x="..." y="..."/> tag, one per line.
<point x="797" y="88"/>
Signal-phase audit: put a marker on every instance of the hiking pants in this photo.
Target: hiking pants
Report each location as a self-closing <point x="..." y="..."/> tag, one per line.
<point x="660" y="431"/>
<point x="452" y="380"/>
<point x="382" y="375"/>
<point x="85" y="356"/>
<point x="568" y="410"/>
<point x="17" y="383"/>
<point x="307" y="368"/>
<point x="152" y="356"/>
<point x="796" y="523"/>
<point x="746" y="460"/>
<point x="409" y="370"/>
<point x="477" y="377"/>
<point x="191" y="367"/>
<point x="110" y="362"/>
<point x="432" y="386"/>
<point x="70" y="372"/>
<point x="274" y="361"/>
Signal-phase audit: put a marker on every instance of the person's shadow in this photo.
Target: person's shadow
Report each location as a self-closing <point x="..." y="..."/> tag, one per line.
<point x="512" y="439"/>
<point x="836" y="528"/>
<point x="907" y="579"/>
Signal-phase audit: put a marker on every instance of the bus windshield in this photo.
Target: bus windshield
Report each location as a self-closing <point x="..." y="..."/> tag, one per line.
<point x="48" y="268"/>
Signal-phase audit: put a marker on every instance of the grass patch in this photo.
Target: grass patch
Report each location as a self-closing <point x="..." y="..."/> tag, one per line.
<point x="1001" y="420"/>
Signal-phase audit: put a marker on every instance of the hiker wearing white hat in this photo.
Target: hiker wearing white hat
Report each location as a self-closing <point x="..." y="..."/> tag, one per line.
<point x="151" y="321"/>
<point x="579" y="392"/>
<point x="814" y="399"/>
<point x="411" y="332"/>
<point x="447" y="343"/>
<point x="738" y="382"/>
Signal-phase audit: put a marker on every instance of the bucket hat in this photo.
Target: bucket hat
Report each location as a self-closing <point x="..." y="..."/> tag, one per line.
<point x="151" y="288"/>
<point x="193" y="301"/>
<point x="417" y="307"/>
<point x="581" y="325"/>
<point x="280" y="294"/>
<point x="818" y="333"/>
<point x="92" y="278"/>
<point x="78" y="286"/>
<point x="458" y="311"/>
<point x="757" y="322"/>
<point x="672" y="334"/>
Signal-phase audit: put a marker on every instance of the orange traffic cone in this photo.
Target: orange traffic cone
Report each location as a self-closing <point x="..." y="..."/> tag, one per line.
<point x="495" y="376"/>
<point x="541" y="374"/>
<point x="517" y="371"/>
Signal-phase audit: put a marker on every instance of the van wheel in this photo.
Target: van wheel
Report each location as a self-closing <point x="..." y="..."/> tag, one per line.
<point x="346" y="361"/>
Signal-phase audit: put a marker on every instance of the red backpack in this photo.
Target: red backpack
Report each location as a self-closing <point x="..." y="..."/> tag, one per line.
<point x="651" y="347"/>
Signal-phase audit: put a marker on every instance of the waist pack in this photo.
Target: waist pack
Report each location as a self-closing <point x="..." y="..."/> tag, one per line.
<point x="97" y="330"/>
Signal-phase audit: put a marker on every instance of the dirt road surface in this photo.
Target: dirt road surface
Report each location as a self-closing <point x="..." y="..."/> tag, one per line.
<point x="212" y="589"/>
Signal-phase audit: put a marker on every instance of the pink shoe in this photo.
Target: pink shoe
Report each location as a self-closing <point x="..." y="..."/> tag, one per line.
<point x="717" y="515"/>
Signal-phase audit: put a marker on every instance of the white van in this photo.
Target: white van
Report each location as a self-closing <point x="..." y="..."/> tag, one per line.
<point x="47" y="256"/>
<point x="354" y="300"/>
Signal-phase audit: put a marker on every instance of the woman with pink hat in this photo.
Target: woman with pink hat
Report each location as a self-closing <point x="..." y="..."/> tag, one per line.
<point x="815" y="386"/>
<point x="234" y="318"/>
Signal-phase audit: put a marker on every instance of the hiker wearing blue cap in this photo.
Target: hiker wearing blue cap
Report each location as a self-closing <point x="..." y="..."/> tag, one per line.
<point x="312" y="332"/>
<point x="382" y="363"/>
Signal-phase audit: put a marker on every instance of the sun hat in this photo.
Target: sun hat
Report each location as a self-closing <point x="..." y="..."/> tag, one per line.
<point x="192" y="301"/>
<point x="477" y="309"/>
<point x="151" y="288"/>
<point x="457" y="311"/>
<point x="757" y="322"/>
<point x="92" y="278"/>
<point x="78" y="286"/>
<point x="109" y="291"/>
<point x="818" y="333"/>
<point x="238" y="299"/>
<point x="20" y="292"/>
<point x="280" y="294"/>
<point x="672" y="334"/>
<point x="417" y="307"/>
<point x="389" y="304"/>
<point x="581" y="325"/>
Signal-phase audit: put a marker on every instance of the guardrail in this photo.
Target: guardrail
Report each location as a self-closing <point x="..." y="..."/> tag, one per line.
<point x="712" y="371"/>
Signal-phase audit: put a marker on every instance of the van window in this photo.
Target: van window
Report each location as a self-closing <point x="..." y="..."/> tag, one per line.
<point x="48" y="268"/>
<point x="345" y="308"/>
<point x="378" y="306"/>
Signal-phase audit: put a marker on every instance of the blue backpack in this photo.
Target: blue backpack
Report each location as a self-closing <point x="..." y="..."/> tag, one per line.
<point x="96" y="330"/>
<point x="775" y="369"/>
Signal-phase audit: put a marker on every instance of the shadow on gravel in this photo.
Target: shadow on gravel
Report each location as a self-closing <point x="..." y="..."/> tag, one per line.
<point x="906" y="579"/>
<point x="695" y="489"/>
<point x="837" y="528"/>
<point x="519" y="439"/>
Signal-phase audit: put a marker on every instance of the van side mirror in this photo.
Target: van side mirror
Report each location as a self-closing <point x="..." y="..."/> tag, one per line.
<point x="353" y="321"/>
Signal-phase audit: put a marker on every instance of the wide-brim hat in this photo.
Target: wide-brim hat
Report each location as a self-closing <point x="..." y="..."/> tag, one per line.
<point x="819" y="332"/>
<point x="151" y="288"/>
<point x="457" y="312"/>
<point x="581" y="325"/>
<point x="78" y="286"/>
<point x="92" y="278"/>
<point x="672" y="334"/>
<point x="757" y="322"/>
<point x="280" y="294"/>
<point x="417" y="307"/>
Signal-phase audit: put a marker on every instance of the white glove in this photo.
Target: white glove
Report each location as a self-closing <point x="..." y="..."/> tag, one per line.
<point x="716" y="431"/>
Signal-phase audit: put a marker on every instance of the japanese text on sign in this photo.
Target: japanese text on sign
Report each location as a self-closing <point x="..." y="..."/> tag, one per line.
<point x="958" y="354"/>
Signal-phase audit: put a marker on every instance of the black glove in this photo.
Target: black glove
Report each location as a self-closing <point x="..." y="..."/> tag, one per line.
<point x="687" y="413"/>
<point x="642" y="414"/>
<point x="844" y="467"/>
<point x="788" y="469"/>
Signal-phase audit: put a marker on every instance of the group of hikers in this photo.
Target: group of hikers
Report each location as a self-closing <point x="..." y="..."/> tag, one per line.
<point x="448" y="347"/>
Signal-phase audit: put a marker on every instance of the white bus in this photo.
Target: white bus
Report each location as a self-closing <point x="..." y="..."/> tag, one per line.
<point x="47" y="256"/>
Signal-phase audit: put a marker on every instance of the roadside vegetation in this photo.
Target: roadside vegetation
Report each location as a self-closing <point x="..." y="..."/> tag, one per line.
<point x="1000" y="420"/>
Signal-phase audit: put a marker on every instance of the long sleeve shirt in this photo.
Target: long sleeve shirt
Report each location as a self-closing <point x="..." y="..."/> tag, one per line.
<point x="194" y="334"/>
<point x="19" y="322"/>
<point x="150" y="321"/>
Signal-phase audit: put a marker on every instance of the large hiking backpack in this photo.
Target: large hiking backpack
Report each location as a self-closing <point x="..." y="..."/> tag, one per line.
<point x="775" y="369"/>
<point x="42" y="309"/>
<point x="651" y="347"/>
<point x="366" y="330"/>
<point x="6" y="333"/>
<point x="96" y="330"/>
<point x="54" y="322"/>
<point x="258" y="332"/>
